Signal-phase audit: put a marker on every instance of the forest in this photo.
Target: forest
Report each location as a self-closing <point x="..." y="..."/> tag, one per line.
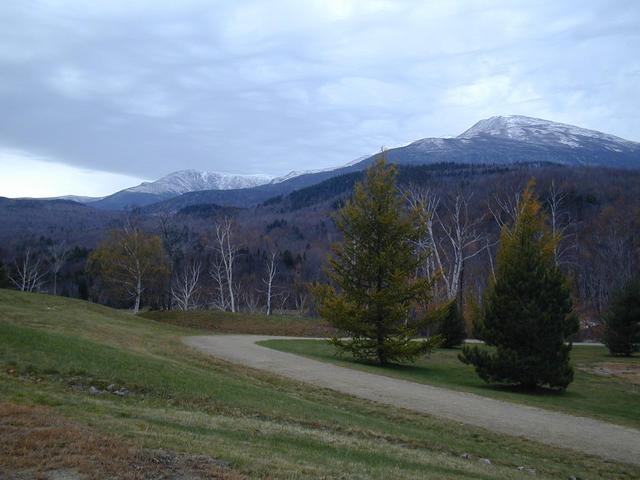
<point x="264" y="258"/>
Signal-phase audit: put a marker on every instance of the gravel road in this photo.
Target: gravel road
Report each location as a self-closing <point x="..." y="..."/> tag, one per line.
<point x="553" y="428"/>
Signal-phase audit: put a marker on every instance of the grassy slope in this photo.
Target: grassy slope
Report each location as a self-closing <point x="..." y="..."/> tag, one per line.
<point x="606" y="398"/>
<point x="53" y="349"/>
<point x="226" y="322"/>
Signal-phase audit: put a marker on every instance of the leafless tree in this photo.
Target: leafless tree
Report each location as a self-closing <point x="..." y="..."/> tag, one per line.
<point x="227" y="251"/>
<point x="506" y="209"/>
<point x="29" y="272"/>
<point x="58" y="253"/>
<point x="561" y="224"/>
<point x="271" y="265"/>
<point x="301" y="298"/>
<point x="460" y="240"/>
<point x="251" y="300"/>
<point x="184" y="287"/>
<point x="216" y="272"/>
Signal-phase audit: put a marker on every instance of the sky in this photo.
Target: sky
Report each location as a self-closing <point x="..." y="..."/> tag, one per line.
<point x="99" y="95"/>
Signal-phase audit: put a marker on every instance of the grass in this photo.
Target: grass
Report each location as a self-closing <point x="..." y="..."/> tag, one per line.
<point x="609" y="398"/>
<point x="183" y="403"/>
<point x="255" y="324"/>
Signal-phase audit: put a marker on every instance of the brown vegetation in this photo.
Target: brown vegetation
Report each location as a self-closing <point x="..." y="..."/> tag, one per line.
<point x="225" y="322"/>
<point x="36" y="443"/>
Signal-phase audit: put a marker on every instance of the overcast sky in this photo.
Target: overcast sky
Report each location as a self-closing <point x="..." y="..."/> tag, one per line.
<point x="97" y="95"/>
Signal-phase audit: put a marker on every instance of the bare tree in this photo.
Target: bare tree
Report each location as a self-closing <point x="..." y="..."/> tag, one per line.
<point x="58" y="254"/>
<point x="460" y="239"/>
<point x="301" y="298"/>
<point x="217" y="274"/>
<point x="28" y="272"/>
<point x="251" y="300"/>
<point x="464" y="239"/>
<point x="271" y="270"/>
<point x="560" y="224"/>
<point x="228" y="251"/>
<point x="184" y="287"/>
<point x="506" y="209"/>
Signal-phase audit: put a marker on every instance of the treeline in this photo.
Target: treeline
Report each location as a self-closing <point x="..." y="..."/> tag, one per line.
<point x="275" y="250"/>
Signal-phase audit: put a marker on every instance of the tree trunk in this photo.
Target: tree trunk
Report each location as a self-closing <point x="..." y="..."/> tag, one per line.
<point x="136" y="306"/>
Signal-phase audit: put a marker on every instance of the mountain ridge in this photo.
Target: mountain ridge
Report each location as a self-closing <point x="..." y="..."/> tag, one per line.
<point x="499" y="140"/>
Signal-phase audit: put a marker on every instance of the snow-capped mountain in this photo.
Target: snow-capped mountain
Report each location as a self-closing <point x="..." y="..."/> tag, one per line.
<point x="178" y="183"/>
<point x="496" y="140"/>
<point x="298" y="173"/>
<point x="536" y="130"/>
<point x="184" y="181"/>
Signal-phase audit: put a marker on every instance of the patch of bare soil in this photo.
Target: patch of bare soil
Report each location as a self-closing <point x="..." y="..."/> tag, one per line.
<point x="35" y="443"/>
<point x="625" y="371"/>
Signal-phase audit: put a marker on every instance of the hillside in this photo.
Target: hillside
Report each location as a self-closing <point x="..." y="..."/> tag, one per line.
<point x="207" y="418"/>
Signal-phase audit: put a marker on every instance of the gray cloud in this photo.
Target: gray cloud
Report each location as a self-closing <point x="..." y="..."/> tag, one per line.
<point x="148" y="87"/>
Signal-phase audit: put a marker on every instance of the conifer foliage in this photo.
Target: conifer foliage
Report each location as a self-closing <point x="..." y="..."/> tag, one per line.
<point x="374" y="289"/>
<point x="527" y="316"/>
<point x="451" y="328"/>
<point x="622" y="323"/>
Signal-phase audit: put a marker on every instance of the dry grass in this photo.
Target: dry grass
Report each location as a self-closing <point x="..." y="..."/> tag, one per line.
<point x="225" y="322"/>
<point x="37" y="444"/>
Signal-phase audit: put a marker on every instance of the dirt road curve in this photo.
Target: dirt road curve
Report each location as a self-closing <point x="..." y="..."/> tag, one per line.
<point x="579" y="433"/>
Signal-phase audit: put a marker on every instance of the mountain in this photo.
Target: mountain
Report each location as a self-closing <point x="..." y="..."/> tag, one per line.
<point x="177" y="183"/>
<point x="74" y="198"/>
<point x="501" y="140"/>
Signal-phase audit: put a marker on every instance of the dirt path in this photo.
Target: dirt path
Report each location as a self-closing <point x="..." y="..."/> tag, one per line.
<point x="579" y="433"/>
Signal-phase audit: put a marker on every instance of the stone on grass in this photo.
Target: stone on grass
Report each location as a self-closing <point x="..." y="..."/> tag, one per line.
<point x="123" y="392"/>
<point x="93" y="390"/>
<point x="486" y="461"/>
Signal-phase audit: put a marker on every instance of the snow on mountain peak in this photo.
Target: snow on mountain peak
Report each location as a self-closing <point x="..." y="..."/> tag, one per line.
<point x="184" y="181"/>
<point x="536" y="130"/>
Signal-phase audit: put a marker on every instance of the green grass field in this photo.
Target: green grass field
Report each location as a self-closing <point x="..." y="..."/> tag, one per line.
<point x="53" y="349"/>
<point x="611" y="398"/>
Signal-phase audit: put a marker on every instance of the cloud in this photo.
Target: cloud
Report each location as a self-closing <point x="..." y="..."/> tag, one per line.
<point x="29" y="175"/>
<point x="153" y="86"/>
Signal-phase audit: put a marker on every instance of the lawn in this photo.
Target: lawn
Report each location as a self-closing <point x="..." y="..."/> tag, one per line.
<point x="603" y="396"/>
<point x="247" y="423"/>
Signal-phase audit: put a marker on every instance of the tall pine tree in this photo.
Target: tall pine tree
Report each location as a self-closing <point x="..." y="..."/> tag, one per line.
<point x="528" y="312"/>
<point x="374" y="289"/>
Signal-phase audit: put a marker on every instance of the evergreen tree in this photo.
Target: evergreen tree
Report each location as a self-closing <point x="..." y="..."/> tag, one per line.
<point x="622" y="322"/>
<point x="528" y="310"/>
<point x="374" y="289"/>
<point x="4" y="280"/>
<point x="451" y="328"/>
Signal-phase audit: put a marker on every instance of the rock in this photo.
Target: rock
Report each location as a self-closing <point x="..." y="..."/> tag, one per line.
<point x="531" y="471"/>
<point x="123" y="392"/>
<point x="93" y="390"/>
<point x="112" y="388"/>
<point x="520" y="468"/>
<point x="466" y="456"/>
<point x="486" y="461"/>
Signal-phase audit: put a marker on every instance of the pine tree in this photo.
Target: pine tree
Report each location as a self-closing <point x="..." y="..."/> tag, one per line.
<point x="374" y="288"/>
<point x="451" y="328"/>
<point x="528" y="310"/>
<point x="622" y="322"/>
